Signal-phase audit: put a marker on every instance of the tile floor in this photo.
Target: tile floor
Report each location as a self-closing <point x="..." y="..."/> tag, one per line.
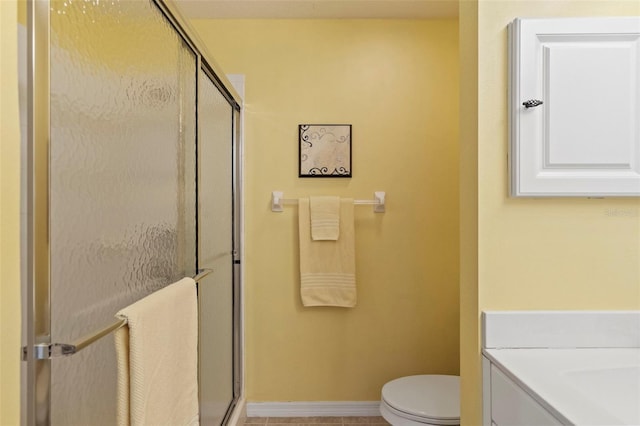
<point x="315" y="421"/>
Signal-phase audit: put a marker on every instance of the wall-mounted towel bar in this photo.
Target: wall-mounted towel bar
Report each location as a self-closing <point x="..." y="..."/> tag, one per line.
<point x="378" y="202"/>
<point x="56" y="350"/>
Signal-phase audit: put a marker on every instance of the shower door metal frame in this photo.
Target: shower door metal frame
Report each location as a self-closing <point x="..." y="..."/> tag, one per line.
<point x="35" y="377"/>
<point x="236" y="254"/>
<point x="206" y="63"/>
<point x="34" y="216"/>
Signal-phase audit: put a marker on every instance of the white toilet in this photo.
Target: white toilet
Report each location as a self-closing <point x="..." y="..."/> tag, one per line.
<point x="421" y="400"/>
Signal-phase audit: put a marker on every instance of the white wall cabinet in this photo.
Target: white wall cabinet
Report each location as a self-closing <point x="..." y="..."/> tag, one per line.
<point x="580" y="135"/>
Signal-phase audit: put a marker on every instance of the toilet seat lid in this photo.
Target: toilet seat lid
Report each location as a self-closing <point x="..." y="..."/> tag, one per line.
<point x="428" y="396"/>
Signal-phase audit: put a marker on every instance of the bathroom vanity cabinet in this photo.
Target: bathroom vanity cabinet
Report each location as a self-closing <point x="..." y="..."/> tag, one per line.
<point x="508" y="404"/>
<point x="560" y="368"/>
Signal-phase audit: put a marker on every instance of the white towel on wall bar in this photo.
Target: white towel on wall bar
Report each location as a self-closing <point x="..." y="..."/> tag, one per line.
<point x="157" y="358"/>
<point x="325" y="218"/>
<point x="327" y="268"/>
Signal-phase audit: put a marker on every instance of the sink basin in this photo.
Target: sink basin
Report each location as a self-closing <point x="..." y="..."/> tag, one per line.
<point x="616" y="388"/>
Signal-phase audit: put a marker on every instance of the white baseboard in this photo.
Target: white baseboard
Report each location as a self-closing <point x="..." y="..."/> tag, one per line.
<point x="314" y="409"/>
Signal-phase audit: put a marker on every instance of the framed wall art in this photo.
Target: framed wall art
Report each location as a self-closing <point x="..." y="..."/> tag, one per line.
<point x="325" y="150"/>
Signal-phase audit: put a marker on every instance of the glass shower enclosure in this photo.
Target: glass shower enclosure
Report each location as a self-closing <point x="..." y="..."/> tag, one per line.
<point x="130" y="183"/>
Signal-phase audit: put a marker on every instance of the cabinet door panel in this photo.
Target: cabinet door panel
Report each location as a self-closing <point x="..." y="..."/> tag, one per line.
<point x="510" y="405"/>
<point x="584" y="138"/>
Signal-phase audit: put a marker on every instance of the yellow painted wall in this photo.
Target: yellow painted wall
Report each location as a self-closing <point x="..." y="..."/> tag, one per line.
<point x="469" y="333"/>
<point x="9" y="218"/>
<point x="546" y="253"/>
<point x="396" y="82"/>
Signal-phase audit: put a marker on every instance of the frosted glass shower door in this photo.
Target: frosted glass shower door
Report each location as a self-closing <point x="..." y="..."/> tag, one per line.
<point x="122" y="183"/>
<point x="215" y="251"/>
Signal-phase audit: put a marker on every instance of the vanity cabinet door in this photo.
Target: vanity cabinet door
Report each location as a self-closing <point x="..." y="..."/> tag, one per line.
<point x="512" y="406"/>
<point x="575" y="107"/>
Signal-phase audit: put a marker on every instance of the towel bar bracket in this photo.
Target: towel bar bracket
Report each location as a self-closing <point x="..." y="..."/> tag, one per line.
<point x="50" y="350"/>
<point x="379" y="196"/>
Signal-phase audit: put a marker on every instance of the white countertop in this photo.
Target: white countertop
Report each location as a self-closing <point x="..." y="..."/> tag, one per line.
<point x="582" y="366"/>
<point x="584" y="386"/>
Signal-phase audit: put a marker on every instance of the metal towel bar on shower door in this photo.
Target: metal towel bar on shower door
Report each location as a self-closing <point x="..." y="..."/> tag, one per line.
<point x="57" y="350"/>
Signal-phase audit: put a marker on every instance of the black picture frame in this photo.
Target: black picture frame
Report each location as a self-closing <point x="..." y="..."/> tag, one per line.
<point x="324" y="150"/>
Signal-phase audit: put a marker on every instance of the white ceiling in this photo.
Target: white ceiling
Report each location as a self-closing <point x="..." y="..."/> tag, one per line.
<point x="318" y="9"/>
